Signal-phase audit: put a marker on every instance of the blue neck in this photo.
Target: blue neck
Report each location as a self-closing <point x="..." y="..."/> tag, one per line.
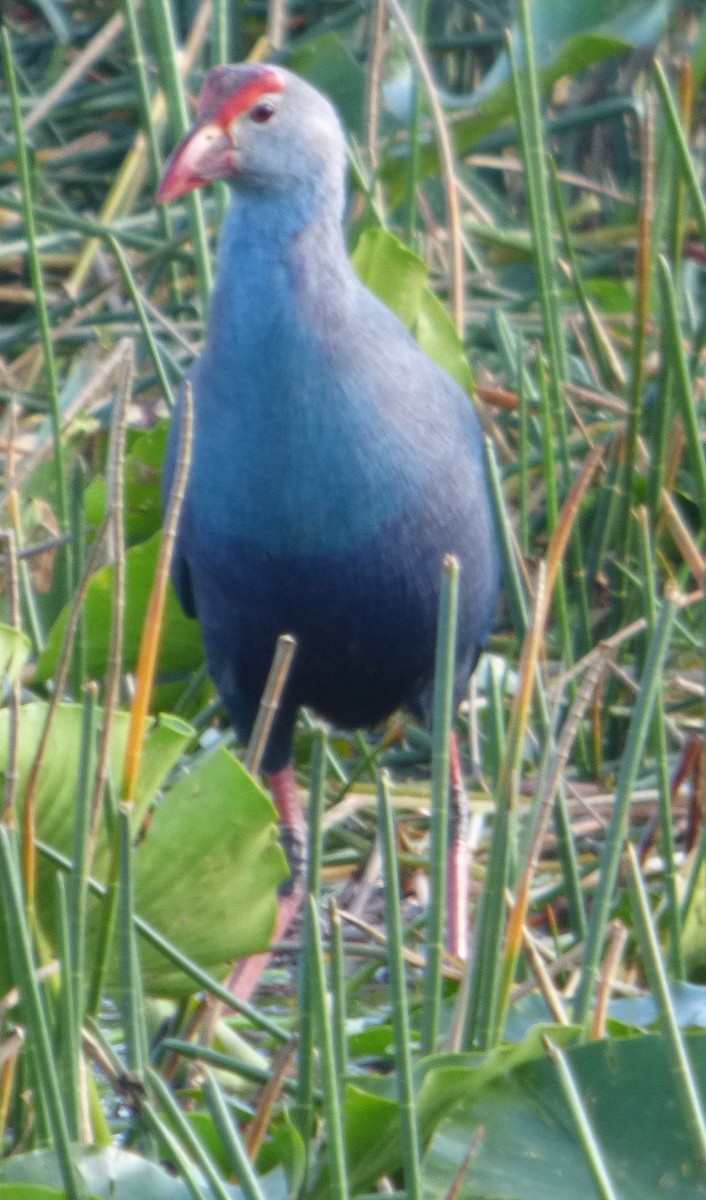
<point x="282" y="257"/>
<point x="284" y="417"/>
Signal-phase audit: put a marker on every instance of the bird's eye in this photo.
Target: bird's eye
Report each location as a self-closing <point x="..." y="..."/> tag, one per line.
<point x="262" y="112"/>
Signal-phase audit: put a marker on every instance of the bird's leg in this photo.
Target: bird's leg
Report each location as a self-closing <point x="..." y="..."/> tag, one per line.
<point x="457" y="862"/>
<point x="285" y="794"/>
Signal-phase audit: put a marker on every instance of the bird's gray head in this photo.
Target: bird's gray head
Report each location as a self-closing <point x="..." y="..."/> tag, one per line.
<point x="258" y="127"/>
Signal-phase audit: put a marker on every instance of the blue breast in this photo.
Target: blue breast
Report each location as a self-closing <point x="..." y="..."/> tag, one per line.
<point x="287" y="459"/>
<point x="334" y="466"/>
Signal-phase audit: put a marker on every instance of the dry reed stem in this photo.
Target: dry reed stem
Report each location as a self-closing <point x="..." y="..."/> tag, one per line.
<point x="447" y="161"/>
<point x="115" y="479"/>
<point x="259" y="1126"/>
<point x="270" y="701"/>
<point x="29" y="852"/>
<point x="131" y="177"/>
<point x="617" y="937"/>
<point x="149" y="645"/>
<point x="90" y="397"/>
<point x="575" y="715"/>
<point x="81" y="64"/>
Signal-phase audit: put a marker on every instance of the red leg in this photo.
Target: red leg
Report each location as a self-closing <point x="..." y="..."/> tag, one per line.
<point x="457" y="862"/>
<point x="285" y="794"/>
<point x="286" y="797"/>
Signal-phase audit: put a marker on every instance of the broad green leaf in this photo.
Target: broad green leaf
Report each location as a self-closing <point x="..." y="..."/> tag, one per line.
<point x="207" y="1132"/>
<point x="143" y="486"/>
<point x="436" y="333"/>
<point x="390" y="269"/>
<point x="373" y="1041"/>
<point x="569" y="37"/>
<point x="492" y="105"/>
<point x="181" y="648"/>
<point x="529" y="1150"/>
<point x="284" y="1148"/>
<point x="207" y="864"/>
<point x="31" y="1191"/>
<point x="400" y="278"/>
<point x="164" y="744"/>
<point x="15" y="649"/>
<point x="372" y="1124"/>
<point x="694" y="932"/>
<point x="208" y="869"/>
<point x="558" y="25"/>
<point x="613" y="295"/>
<point x="556" y="21"/>
<point x="688" y="1001"/>
<point x="112" y="1174"/>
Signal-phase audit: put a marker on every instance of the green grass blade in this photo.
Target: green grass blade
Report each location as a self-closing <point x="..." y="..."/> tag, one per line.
<point x="164" y="39"/>
<point x="644" y="271"/>
<point x="226" y="1062"/>
<point x="184" y="1132"/>
<point x="182" y="962"/>
<point x="444" y="680"/>
<point x="185" y="1167"/>
<point x="68" y="1002"/>
<point x="552" y="502"/>
<point x="35" y="1016"/>
<point x="411" y="1153"/>
<point x="305" y="1106"/>
<point x="674" y="346"/>
<point x="338" y="995"/>
<point x="512" y="578"/>
<point x="43" y="318"/>
<point x="142" y="316"/>
<point x="337" y="1187"/>
<point x="587" y="1137"/>
<point x="79" y="542"/>
<point x="525" y="84"/>
<point x="232" y="1142"/>
<point x="617" y="829"/>
<point x="660" y="751"/>
<point x="131" y="997"/>
<point x="78" y="885"/>
<point x="687" y="162"/>
<point x="413" y="155"/>
<point x="692" y="1104"/>
<point x="529" y="125"/>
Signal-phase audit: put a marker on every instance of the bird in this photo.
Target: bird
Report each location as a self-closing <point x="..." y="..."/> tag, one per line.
<point x="334" y="465"/>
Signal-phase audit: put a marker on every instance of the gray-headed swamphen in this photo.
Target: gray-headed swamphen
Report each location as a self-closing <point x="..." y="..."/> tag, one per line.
<point x="334" y="464"/>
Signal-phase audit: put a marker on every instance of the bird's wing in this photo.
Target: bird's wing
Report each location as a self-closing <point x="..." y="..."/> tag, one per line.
<point x="181" y="579"/>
